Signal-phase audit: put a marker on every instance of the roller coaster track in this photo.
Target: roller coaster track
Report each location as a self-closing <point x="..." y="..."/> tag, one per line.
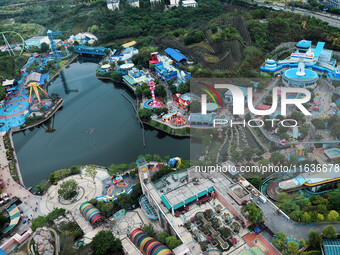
<point x="23" y="41"/>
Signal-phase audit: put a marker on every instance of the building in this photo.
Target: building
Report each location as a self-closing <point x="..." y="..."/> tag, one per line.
<point x="166" y="70"/>
<point x="333" y="154"/>
<point x="185" y="3"/>
<point x="83" y="38"/>
<point x="173" y="192"/>
<point x="317" y="59"/>
<point x="311" y="180"/>
<point x="123" y="54"/>
<point x="189" y="3"/>
<point x="253" y="251"/>
<point x="136" y="77"/>
<point x="185" y="99"/>
<point x="36" y="41"/>
<point x="133" y="3"/>
<point x="198" y="119"/>
<point x="330" y="246"/>
<point x="33" y="77"/>
<point x="8" y="83"/>
<point x="300" y="77"/>
<point x="82" y="49"/>
<point x="332" y="3"/>
<point x="175" y="55"/>
<point x="112" y="4"/>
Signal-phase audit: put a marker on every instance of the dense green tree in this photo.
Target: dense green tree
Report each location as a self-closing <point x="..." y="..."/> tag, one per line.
<point x="145" y="114"/>
<point x="39" y="222"/>
<point x="68" y="189"/>
<point x="3" y="221"/>
<point x="314" y="239"/>
<point x="255" y="213"/>
<point x="162" y="237"/>
<point x="150" y="230"/>
<point x="333" y="215"/>
<point x="293" y="248"/>
<point x="280" y="240"/>
<point x="172" y="242"/>
<point x="105" y="243"/>
<point x="329" y="232"/>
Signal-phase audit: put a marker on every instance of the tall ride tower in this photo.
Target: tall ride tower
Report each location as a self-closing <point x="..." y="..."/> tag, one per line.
<point x="51" y="35"/>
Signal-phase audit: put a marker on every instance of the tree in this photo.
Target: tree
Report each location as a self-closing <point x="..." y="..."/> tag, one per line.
<point x="75" y="170"/>
<point x="144" y="114"/>
<point x="160" y="111"/>
<point x="293" y="247"/>
<point x="318" y="123"/>
<point x="138" y="92"/>
<point x="105" y="243"/>
<point x="157" y="158"/>
<point x="44" y="47"/>
<point x="280" y="240"/>
<point x="329" y="232"/>
<point x="68" y="189"/>
<point x="298" y="116"/>
<point x="277" y="158"/>
<point x="91" y="172"/>
<point x="334" y="199"/>
<point x="314" y="239"/>
<point x="3" y="220"/>
<point x="172" y="242"/>
<point x="306" y="217"/>
<point x="162" y="237"/>
<point x="150" y="230"/>
<point x="160" y="91"/>
<point x="55" y="214"/>
<point x="333" y="215"/>
<point x="39" y="222"/>
<point x="116" y="76"/>
<point x="255" y="213"/>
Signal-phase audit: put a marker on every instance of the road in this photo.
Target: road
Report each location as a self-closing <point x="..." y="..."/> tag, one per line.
<point x="331" y="19"/>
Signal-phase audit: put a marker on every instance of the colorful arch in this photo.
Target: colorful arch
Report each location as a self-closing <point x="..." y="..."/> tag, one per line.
<point x="23" y="41"/>
<point x="91" y="213"/>
<point x="147" y="245"/>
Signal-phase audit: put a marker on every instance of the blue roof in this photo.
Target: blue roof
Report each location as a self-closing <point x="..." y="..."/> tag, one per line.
<point x="318" y="48"/>
<point x="309" y="74"/>
<point x="331" y="246"/>
<point x="2" y="252"/>
<point x="175" y="54"/>
<point x="304" y="44"/>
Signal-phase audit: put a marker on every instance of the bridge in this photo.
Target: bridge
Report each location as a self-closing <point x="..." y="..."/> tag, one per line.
<point x="82" y="49"/>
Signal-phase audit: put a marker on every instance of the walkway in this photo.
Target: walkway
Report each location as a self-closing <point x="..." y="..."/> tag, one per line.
<point x="50" y="200"/>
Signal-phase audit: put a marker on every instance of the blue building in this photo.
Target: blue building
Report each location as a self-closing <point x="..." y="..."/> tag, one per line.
<point x="175" y="55"/>
<point x="300" y="77"/>
<point x="82" y="49"/>
<point x="317" y="59"/>
<point x="165" y="70"/>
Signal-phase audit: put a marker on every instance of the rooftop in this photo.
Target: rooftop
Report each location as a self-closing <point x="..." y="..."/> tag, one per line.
<point x="309" y="75"/>
<point x="201" y="117"/>
<point x="304" y="44"/>
<point x="331" y="246"/>
<point x="175" y="54"/>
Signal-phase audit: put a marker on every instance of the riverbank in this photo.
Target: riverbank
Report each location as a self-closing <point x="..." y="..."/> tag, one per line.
<point x="62" y="65"/>
<point x="109" y="78"/>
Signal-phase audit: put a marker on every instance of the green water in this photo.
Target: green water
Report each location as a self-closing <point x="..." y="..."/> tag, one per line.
<point x="96" y="125"/>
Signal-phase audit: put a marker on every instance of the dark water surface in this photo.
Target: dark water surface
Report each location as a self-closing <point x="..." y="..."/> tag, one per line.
<point x="96" y="125"/>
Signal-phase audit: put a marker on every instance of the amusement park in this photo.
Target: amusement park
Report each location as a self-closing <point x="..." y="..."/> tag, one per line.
<point x="194" y="185"/>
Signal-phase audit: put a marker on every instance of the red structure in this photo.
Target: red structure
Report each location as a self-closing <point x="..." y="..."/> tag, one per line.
<point x="154" y="59"/>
